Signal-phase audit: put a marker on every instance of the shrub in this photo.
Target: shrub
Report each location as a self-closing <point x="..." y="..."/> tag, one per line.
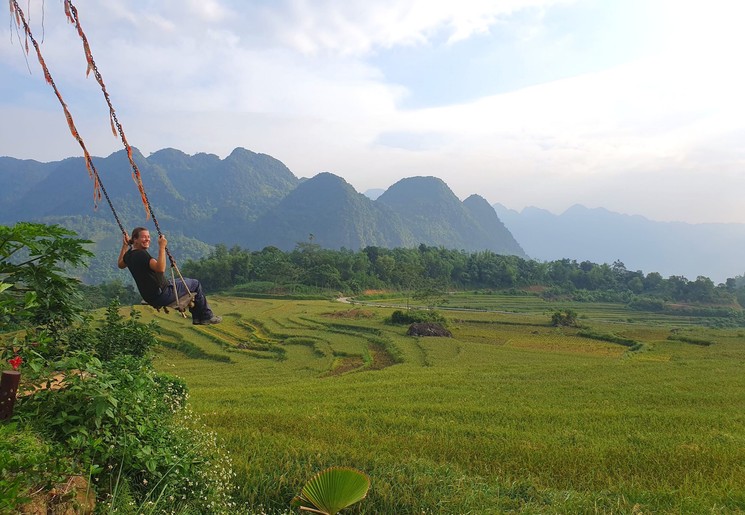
<point x="400" y="317"/>
<point x="124" y="423"/>
<point x="120" y="337"/>
<point x="647" y="304"/>
<point x="25" y="466"/>
<point x="97" y="396"/>
<point x="34" y="288"/>
<point x="564" y="318"/>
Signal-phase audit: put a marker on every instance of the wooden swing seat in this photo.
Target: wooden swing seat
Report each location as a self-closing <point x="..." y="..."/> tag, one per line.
<point x="182" y="304"/>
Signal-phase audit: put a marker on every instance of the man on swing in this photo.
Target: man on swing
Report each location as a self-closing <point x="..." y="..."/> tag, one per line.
<point x="149" y="275"/>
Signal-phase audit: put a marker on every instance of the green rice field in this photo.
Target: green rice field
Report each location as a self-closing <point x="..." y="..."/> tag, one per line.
<point x="510" y="415"/>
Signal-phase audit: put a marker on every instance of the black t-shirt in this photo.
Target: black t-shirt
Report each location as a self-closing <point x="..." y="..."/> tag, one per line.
<point x="149" y="283"/>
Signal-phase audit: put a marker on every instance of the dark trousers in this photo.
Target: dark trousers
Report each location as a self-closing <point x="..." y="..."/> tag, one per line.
<point x="200" y="311"/>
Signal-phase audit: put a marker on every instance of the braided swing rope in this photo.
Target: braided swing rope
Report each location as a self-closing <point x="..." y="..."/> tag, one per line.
<point x="116" y="127"/>
<point x="98" y="186"/>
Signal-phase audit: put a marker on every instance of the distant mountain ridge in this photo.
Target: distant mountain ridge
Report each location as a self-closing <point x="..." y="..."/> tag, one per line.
<point x="247" y="199"/>
<point x="601" y="236"/>
<point x="195" y="195"/>
<point x="434" y="214"/>
<point x="254" y="200"/>
<point x="329" y="209"/>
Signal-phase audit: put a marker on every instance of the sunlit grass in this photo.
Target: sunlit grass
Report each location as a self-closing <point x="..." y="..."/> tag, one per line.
<point x="509" y="415"/>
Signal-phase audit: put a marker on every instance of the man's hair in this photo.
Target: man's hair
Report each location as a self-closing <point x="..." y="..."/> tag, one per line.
<point x="136" y="234"/>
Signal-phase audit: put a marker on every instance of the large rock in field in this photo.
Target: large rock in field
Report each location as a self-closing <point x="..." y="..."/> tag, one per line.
<point x="428" y="329"/>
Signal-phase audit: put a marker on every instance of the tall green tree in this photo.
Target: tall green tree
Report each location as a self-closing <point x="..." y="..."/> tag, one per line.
<point x="34" y="286"/>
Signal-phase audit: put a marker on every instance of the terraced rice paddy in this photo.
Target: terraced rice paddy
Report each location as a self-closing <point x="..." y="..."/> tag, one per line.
<point x="510" y="415"/>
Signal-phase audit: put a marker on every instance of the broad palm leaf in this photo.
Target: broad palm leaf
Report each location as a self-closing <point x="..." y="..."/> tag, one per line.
<point x="332" y="490"/>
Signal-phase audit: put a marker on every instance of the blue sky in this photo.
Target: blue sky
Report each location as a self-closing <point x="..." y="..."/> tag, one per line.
<point x="635" y="106"/>
<point x="532" y="46"/>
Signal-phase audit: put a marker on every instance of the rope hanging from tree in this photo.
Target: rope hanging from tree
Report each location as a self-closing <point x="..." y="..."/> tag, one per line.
<point x="72" y="15"/>
<point x="98" y="186"/>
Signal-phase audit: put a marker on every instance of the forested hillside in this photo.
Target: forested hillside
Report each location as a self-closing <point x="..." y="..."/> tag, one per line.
<point x="327" y="210"/>
<point x="435" y="216"/>
<point x="246" y="199"/>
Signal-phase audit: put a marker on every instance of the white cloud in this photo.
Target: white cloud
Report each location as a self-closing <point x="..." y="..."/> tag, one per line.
<point x="293" y="79"/>
<point x="210" y="10"/>
<point x="357" y="27"/>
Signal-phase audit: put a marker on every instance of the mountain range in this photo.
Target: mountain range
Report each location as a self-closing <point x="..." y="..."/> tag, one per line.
<point x="254" y="200"/>
<point x="246" y="199"/>
<point x="714" y="250"/>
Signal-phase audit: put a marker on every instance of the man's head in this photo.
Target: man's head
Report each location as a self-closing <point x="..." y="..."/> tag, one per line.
<point x="140" y="238"/>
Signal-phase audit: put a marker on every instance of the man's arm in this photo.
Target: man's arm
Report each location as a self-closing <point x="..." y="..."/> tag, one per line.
<point x="159" y="265"/>
<point x="125" y="247"/>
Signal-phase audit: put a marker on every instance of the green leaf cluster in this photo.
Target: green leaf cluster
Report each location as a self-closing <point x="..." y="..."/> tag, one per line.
<point x="25" y="465"/>
<point x="564" y="318"/>
<point x="414" y="316"/>
<point x="34" y="288"/>
<point x="92" y="400"/>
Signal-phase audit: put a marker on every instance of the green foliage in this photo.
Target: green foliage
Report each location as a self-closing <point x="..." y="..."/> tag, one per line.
<point x="34" y="288"/>
<point x="101" y="295"/>
<point x="412" y="316"/>
<point x="429" y="272"/>
<point x="332" y="490"/>
<point x="222" y="269"/>
<point x="120" y="337"/>
<point x="690" y="339"/>
<point x="646" y="304"/>
<point x="609" y="337"/>
<point x="93" y="393"/>
<point x="124" y="422"/>
<point x="564" y="318"/>
<point x="27" y="463"/>
<point x="600" y="295"/>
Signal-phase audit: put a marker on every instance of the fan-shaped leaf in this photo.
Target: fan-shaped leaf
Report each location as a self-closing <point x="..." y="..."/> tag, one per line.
<point x="333" y="489"/>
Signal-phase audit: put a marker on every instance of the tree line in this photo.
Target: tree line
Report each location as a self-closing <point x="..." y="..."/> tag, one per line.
<point x="426" y="266"/>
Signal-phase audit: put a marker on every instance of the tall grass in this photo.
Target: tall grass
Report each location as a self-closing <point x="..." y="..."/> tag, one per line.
<point x="519" y="418"/>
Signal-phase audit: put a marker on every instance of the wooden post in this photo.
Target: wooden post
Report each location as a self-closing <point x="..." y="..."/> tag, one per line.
<point x="8" y="389"/>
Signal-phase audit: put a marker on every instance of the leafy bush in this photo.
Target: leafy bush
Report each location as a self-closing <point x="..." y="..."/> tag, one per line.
<point x="644" y="303"/>
<point x="34" y="288"/>
<point x="400" y="317"/>
<point x="97" y="396"/>
<point x="25" y="466"/>
<point x="121" y="421"/>
<point x="600" y="296"/>
<point x="564" y="318"/>
<point x="101" y="295"/>
<point x="120" y="337"/>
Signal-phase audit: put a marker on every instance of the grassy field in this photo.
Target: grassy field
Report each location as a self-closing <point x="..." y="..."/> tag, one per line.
<point x="510" y="415"/>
